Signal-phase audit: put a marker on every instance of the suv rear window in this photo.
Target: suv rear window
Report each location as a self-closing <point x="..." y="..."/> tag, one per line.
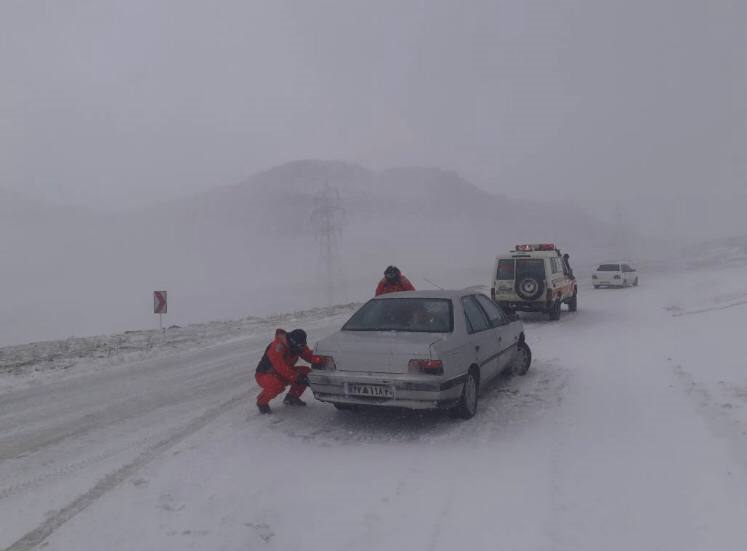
<point x="530" y="267"/>
<point x="505" y="269"/>
<point x="608" y="268"/>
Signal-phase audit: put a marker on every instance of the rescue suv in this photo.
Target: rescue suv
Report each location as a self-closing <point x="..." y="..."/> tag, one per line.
<point x="534" y="278"/>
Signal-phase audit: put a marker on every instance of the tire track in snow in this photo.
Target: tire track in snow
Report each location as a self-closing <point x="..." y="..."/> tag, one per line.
<point x="108" y="414"/>
<point x="715" y="415"/>
<point x="109" y="482"/>
<point x="440" y="521"/>
<point x="62" y="472"/>
<point x="709" y="309"/>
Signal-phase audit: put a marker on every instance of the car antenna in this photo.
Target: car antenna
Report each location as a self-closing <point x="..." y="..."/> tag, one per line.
<point x="429" y="281"/>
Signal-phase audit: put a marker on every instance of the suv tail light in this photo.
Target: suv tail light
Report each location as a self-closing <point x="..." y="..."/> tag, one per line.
<point x="323" y="362"/>
<point x="429" y="367"/>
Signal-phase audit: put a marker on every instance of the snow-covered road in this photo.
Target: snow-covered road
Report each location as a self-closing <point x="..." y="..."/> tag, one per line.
<point x="630" y="431"/>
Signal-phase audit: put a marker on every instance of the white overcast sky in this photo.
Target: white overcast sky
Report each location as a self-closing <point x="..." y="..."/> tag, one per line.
<point x="121" y="102"/>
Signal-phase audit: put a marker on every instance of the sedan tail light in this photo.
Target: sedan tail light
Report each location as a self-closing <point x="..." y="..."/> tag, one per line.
<point x="323" y="362"/>
<point x="429" y="367"/>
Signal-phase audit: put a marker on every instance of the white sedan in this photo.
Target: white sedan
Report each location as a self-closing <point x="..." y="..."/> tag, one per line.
<point x="419" y="350"/>
<point x="618" y="274"/>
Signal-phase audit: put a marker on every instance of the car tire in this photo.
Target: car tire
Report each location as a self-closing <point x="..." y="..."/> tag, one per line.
<point x="573" y="302"/>
<point x="554" y="313"/>
<point x="522" y="360"/>
<point x="467" y="406"/>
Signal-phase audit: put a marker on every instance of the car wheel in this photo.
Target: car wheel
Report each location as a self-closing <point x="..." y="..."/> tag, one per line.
<point x="554" y="312"/>
<point x="573" y="302"/>
<point x="530" y="288"/>
<point x="467" y="406"/>
<point x="522" y="360"/>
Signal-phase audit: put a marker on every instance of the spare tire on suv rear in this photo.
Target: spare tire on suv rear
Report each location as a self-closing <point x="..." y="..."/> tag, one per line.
<point x="530" y="288"/>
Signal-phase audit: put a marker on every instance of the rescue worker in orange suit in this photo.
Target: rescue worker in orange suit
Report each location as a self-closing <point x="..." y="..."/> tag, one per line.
<point x="393" y="282"/>
<point x="277" y="369"/>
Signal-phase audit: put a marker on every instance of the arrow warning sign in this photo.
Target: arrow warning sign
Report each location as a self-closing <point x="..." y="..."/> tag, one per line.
<point x="159" y="302"/>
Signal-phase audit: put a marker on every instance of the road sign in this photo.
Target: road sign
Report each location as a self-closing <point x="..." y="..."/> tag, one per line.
<point x="159" y="302"/>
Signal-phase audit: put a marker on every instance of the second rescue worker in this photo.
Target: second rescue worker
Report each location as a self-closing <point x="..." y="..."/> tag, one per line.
<point x="393" y="282"/>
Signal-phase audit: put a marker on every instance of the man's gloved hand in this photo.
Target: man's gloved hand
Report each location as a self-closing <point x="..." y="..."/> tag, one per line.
<point x="302" y="380"/>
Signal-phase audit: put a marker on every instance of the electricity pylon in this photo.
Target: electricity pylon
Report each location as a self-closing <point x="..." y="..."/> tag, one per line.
<point x="328" y="219"/>
<point x="622" y="234"/>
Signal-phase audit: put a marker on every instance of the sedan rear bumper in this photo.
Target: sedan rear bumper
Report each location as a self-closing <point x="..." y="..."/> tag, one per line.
<point x="409" y="391"/>
<point x="616" y="283"/>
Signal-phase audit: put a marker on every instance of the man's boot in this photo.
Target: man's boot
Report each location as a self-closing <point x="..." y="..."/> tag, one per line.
<point x="293" y="401"/>
<point x="264" y="409"/>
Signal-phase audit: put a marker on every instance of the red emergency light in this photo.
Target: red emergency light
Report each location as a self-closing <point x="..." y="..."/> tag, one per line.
<point x="536" y="247"/>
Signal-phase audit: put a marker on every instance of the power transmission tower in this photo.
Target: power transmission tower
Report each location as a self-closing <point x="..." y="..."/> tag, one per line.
<point x="328" y="219"/>
<point x="622" y="233"/>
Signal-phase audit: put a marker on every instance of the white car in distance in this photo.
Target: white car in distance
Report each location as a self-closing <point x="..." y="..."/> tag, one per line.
<point x="419" y="350"/>
<point x="616" y="274"/>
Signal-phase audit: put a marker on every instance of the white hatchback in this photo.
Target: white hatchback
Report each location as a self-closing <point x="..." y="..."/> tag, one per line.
<point x="616" y="274"/>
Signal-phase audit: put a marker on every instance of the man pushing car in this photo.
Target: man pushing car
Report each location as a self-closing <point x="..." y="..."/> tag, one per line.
<point x="277" y="369"/>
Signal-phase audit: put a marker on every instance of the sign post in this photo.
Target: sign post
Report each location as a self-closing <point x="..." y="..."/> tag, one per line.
<point x="160" y="306"/>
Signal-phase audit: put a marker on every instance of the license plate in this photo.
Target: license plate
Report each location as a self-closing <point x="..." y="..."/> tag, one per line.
<point x="370" y="391"/>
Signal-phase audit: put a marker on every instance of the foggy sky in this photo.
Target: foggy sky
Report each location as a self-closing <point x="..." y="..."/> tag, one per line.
<point x="117" y="103"/>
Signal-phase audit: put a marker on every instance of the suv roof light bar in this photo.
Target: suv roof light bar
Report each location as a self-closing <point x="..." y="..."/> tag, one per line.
<point x="536" y="247"/>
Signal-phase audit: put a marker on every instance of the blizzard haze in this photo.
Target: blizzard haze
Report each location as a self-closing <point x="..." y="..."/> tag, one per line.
<point x="112" y="103"/>
<point x="627" y="113"/>
<point x="264" y="162"/>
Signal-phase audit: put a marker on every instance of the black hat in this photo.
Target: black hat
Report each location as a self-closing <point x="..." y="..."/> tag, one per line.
<point x="297" y="339"/>
<point x="392" y="273"/>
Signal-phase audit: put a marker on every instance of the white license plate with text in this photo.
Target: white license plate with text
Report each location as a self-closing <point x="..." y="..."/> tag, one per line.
<point x="370" y="391"/>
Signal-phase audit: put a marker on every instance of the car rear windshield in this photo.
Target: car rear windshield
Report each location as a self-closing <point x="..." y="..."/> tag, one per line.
<point x="530" y="267"/>
<point x="608" y="268"/>
<point x="415" y="315"/>
<point x="505" y="269"/>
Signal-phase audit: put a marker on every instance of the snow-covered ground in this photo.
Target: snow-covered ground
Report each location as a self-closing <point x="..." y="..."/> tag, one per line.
<point x="630" y="431"/>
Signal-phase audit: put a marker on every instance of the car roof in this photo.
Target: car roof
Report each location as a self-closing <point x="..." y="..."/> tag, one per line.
<point x="616" y="262"/>
<point x="529" y="254"/>
<point x="442" y="294"/>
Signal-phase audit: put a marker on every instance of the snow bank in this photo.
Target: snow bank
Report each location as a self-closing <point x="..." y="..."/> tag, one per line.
<point x="59" y="355"/>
